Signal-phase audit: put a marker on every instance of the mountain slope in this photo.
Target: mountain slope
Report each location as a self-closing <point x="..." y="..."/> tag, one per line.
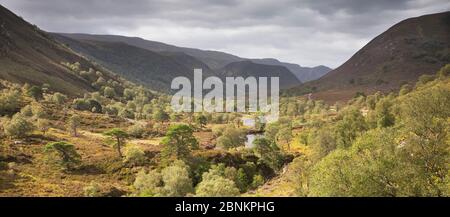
<point x="154" y="70"/>
<point x="157" y="69"/>
<point x="411" y="48"/>
<point x="29" y="55"/>
<point x="248" y="68"/>
<point x="214" y="59"/>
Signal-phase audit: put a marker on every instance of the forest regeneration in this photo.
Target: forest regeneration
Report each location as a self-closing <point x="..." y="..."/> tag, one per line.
<point x="124" y="140"/>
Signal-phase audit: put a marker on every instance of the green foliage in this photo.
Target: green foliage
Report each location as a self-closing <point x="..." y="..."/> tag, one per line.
<point x="160" y="115"/>
<point x="148" y="184"/>
<point x="231" y="138"/>
<point x="10" y="102"/>
<point x="324" y="142"/>
<point x="218" y="130"/>
<point x="285" y="135"/>
<point x="126" y="113"/>
<point x="87" y="105"/>
<point x="119" y="136"/>
<point x="258" y="180"/>
<point x="172" y="181"/>
<point x="18" y="127"/>
<point x="95" y="106"/>
<point x="133" y="155"/>
<point x="424" y="79"/>
<point x="214" y="184"/>
<point x="73" y="123"/>
<point x="109" y="92"/>
<point x="58" y="98"/>
<point x="268" y="153"/>
<point x="63" y="154"/>
<point x="201" y="120"/>
<point x="128" y="94"/>
<point x="35" y="92"/>
<point x="92" y="190"/>
<point x="444" y="71"/>
<point x="137" y="130"/>
<point x="383" y="112"/>
<point x="272" y="131"/>
<point x="405" y="89"/>
<point x="351" y="126"/>
<point x="81" y="104"/>
<point x="409" y="159"/>
<point x="176" y="180"/>
<point x="178" y="142"/>
<point x="241" y="180"/>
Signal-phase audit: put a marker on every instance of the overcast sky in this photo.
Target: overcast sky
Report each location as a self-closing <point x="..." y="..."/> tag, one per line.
<point x="306" y="32"/>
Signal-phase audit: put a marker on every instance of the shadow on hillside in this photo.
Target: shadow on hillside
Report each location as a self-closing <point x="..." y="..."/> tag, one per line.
<point x="7" y="180"/>
<point x="89" y="169"/>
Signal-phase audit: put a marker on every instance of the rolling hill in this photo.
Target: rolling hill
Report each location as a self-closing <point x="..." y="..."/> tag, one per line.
<point x="29" y="55"/>
<point x="407" y="50"/>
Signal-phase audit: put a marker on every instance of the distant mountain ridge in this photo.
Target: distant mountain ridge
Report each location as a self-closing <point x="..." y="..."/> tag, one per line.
<point x="304" y="74"/>
<point x="157" y="69"/>
<point x="216" y="60"/>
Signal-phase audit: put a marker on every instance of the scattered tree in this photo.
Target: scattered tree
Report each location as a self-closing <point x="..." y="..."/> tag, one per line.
<point x="119" y="136"/>
<point x="63" y="154"/>
<point x="178" y="142"/>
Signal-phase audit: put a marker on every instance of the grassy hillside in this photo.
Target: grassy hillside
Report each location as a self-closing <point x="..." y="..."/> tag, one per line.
<point x="29" y="55"/>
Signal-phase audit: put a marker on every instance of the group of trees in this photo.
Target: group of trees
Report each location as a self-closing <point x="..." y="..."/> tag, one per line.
<point x="230" y="137"/>
<point x="173" y="181"/>
<point x="394" y="145"/>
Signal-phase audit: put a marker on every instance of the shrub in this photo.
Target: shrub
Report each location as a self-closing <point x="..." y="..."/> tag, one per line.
<point x="148" y="184"/>
<point x="63" y="154"/>
<point x="160" y="115"/>
<point x="134" y="155"/>
<point x="81" y="104"/>
<point x="109" y="92"/>
<point x="92" y="190"/>
<point x="112" y="110"/>
<point x="218" y="130"/>
<point x="18" y="127"/>
<point x="176" y="180"/>
<point x="35" y="92"/>
<point x="217" y="186"/>
<point x="231" y="138"/>
<point x="173" y="181"/>
<point x="258" y="180"/>
<point x="10" y="102"/>
<point x="137" y="130"/>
